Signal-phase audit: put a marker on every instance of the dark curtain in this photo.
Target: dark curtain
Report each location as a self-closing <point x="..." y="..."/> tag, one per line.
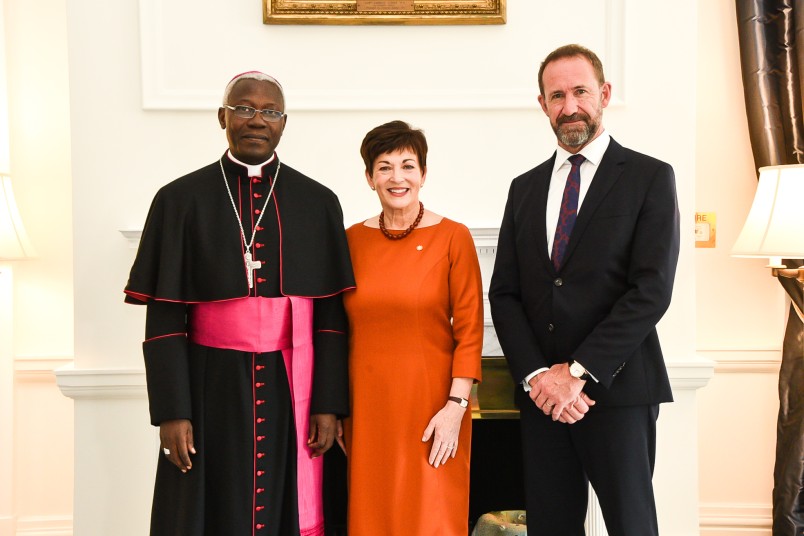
<point x="788" y="473"/>
<point x="772" y="57"/>
<point x="771" y="37"/>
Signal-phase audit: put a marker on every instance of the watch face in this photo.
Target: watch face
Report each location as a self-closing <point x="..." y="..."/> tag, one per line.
<point x="576" y="370"/>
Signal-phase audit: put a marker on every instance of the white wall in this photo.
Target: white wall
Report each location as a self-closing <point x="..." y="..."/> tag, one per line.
<point x="144" y="80"/>
<point x="477" y="148"/>
<point x="42" y="330"/>
<point x="740" y="307"/>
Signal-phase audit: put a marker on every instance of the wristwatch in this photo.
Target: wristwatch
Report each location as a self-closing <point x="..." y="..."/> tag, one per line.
<point x="576" y="370"/>
<point x="460" y="401"/>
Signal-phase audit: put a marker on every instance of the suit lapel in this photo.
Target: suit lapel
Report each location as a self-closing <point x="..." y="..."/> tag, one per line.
<point x="608" y="173"/>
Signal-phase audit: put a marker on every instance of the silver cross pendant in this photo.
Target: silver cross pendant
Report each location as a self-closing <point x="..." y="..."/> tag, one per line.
<point x="251" y="265"/>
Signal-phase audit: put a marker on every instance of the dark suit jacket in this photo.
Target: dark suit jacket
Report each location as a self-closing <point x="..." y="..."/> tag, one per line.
<point x="602" y="306"/>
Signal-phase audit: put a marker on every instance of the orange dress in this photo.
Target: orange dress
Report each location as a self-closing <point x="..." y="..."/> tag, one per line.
<point x="416" y="321"/>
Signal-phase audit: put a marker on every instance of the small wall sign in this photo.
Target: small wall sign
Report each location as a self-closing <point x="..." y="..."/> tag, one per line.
<point x="705" y="229"/>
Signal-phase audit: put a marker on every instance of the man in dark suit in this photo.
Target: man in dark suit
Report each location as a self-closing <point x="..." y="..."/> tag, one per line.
<point x="584" y="270"/>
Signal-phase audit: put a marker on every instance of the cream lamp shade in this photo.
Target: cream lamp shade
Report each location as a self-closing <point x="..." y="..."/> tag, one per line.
<point x="775" y="225"/>
<point x="14" y="243"/>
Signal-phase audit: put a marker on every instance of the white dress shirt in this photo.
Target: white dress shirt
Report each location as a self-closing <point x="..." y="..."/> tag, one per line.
<point x="593" y="154"/>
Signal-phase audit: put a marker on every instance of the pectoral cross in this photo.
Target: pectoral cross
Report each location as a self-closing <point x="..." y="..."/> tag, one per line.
<point x="251" y="265"/>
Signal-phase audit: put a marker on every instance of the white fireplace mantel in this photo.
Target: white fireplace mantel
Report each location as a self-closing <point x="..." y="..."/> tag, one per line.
<point x="104" y="384"/>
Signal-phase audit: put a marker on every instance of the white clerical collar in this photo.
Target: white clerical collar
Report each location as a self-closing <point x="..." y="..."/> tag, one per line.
<point x="593" y="152"/>
<point x="253" y="170"/>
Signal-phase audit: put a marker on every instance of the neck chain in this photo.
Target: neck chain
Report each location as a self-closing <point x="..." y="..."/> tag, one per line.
<point x="406" y="232"/>
<point x="251" y="264"/>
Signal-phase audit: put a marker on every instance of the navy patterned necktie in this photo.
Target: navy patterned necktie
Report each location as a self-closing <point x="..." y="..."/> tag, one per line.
<point x="569" y="210"/>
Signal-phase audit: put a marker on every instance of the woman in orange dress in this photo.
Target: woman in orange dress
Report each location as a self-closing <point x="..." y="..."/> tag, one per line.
<point x="416" y="334"/>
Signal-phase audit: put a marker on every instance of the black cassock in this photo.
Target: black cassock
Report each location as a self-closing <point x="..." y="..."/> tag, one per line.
<point x="191" y="252"/>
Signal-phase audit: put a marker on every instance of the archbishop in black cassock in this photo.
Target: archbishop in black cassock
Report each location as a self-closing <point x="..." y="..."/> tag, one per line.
<point x="226" y="416"/>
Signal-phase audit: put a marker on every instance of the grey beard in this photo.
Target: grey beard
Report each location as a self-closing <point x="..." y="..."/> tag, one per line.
<point x="574" y="137"/>
<point x="578" y="136"/>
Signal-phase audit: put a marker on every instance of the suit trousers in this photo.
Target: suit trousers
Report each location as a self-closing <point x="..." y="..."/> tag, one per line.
<point x="614" y="448"/>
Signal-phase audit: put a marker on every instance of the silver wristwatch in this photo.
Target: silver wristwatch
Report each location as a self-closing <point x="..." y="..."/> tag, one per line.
<point x="576" y="370"/>
<point x="460" y="401"/>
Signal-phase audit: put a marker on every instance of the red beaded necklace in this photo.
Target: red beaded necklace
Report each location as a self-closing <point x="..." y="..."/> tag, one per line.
<point x="406" y="232"/>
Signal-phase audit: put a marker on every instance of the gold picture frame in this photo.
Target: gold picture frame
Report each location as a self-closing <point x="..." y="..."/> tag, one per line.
<point x="410" y="12"/>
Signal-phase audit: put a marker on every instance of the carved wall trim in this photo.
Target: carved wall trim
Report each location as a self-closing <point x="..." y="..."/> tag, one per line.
<point x="44" y="526"/>
<point x="735" y="517"/>
<point x="40" y="368"/>
<point x="744" y="361"/>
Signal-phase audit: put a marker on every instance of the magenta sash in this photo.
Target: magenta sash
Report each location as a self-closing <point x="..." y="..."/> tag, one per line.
<point x="269" y="325"/>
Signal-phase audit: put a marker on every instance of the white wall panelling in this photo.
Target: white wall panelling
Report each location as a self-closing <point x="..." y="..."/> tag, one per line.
<point x="169" y="83"/>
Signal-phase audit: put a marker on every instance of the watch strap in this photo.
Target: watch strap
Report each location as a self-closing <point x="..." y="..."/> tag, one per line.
<point x="586" y="376"/>
<point x="460" y="401"/>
